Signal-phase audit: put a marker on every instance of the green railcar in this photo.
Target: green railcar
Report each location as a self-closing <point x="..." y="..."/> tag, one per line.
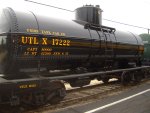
<point x="146" y="55"/>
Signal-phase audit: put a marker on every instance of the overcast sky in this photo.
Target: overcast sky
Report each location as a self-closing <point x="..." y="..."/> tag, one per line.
<point x="133" y="12"/>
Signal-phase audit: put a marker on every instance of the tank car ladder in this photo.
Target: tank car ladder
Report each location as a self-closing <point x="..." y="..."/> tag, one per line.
<point x="108" y="49"/>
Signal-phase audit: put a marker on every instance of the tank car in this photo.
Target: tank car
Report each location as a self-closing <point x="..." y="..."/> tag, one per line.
<point x="31" y="40"/>
<point x="33" y="48"/>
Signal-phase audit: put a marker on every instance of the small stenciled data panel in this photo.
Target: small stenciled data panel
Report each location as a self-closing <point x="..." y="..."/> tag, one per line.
<point x="43" y="45"/>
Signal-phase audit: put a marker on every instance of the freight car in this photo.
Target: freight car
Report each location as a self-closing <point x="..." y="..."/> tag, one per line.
<point x="37" y="52"/>
<point x="146" y="55"/>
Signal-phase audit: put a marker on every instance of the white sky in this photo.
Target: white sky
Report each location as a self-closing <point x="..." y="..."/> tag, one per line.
<point x="133" y="12"/>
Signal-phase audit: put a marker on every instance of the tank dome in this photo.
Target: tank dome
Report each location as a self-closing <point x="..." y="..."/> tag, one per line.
<point x="89" y="13"/>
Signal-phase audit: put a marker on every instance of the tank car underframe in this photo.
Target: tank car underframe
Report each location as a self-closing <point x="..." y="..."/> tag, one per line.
<point x="39" y="91"/>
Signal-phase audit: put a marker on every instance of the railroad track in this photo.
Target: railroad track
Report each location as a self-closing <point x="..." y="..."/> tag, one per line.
<point x="88" y="93"/>
<point x="78" y="96"/>
<point x="81" y="95"/>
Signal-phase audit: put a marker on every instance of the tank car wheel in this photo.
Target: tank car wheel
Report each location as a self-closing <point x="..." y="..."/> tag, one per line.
<point x="56" y="93"/>
<point x="33" y="99"/>
<point x="146" y="73"/>
<point x="137" y="77"/>
<point x="59" y="96"/>
<point x="125" y="78"/>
